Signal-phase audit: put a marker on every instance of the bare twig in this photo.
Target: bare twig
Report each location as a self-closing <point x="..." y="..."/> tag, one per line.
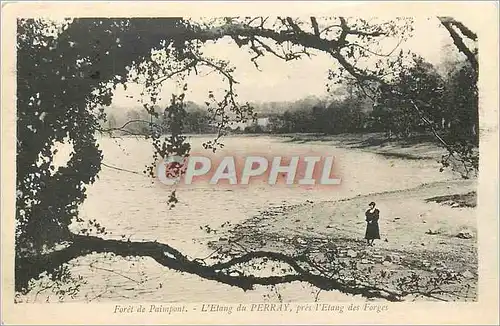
<point x="114" y="272"/>
<point x="119" y="169"/>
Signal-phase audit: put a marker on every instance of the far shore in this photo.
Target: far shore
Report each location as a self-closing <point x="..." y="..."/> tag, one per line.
<point x="419" y="146"/>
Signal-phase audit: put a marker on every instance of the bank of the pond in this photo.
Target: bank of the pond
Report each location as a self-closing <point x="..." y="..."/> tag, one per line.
<point x="420" y="234"/>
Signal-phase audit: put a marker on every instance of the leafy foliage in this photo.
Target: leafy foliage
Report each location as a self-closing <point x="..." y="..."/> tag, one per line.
<point x="65" y="74"/>
<point x="421" y="99"/>
<point x="420" y="84"/>
<point x="349" y="114"/>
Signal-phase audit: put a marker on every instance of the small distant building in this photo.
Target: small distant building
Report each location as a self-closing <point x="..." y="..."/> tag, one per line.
<point x="261" y="122"/>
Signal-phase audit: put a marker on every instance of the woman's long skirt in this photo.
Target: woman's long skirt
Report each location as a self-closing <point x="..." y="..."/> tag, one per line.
<point x="372" y="231"/>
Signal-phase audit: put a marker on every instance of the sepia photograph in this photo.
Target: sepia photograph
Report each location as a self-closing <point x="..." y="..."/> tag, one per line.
<point x="249" y="163"/>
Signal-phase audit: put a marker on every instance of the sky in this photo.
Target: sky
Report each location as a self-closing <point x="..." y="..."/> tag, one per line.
<point x="278" y="80"/>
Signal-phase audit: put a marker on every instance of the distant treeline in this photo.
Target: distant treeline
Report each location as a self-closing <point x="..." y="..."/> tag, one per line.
<point x="339" y="116"/>
<point x="420" y="98"/>
<point x="138" y="121"/>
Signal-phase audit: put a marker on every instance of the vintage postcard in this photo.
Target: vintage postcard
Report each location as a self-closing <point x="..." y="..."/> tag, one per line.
<point x="249" y="163"/>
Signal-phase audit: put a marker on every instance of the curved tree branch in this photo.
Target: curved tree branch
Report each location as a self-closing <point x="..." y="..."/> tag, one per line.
<point x="464" y="29"/>
<point x="31" y="267"/>
<point x="314" y="23"/>
<point x="448" y="23"/>
<point x="122" y="128"/>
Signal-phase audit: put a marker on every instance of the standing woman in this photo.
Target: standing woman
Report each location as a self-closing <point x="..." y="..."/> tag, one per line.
<point x="372" y="230"/>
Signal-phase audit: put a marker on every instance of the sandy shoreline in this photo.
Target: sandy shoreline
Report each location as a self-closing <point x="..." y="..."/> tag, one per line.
<point x="413" y="240"/>
<point x="427" y="230"/>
